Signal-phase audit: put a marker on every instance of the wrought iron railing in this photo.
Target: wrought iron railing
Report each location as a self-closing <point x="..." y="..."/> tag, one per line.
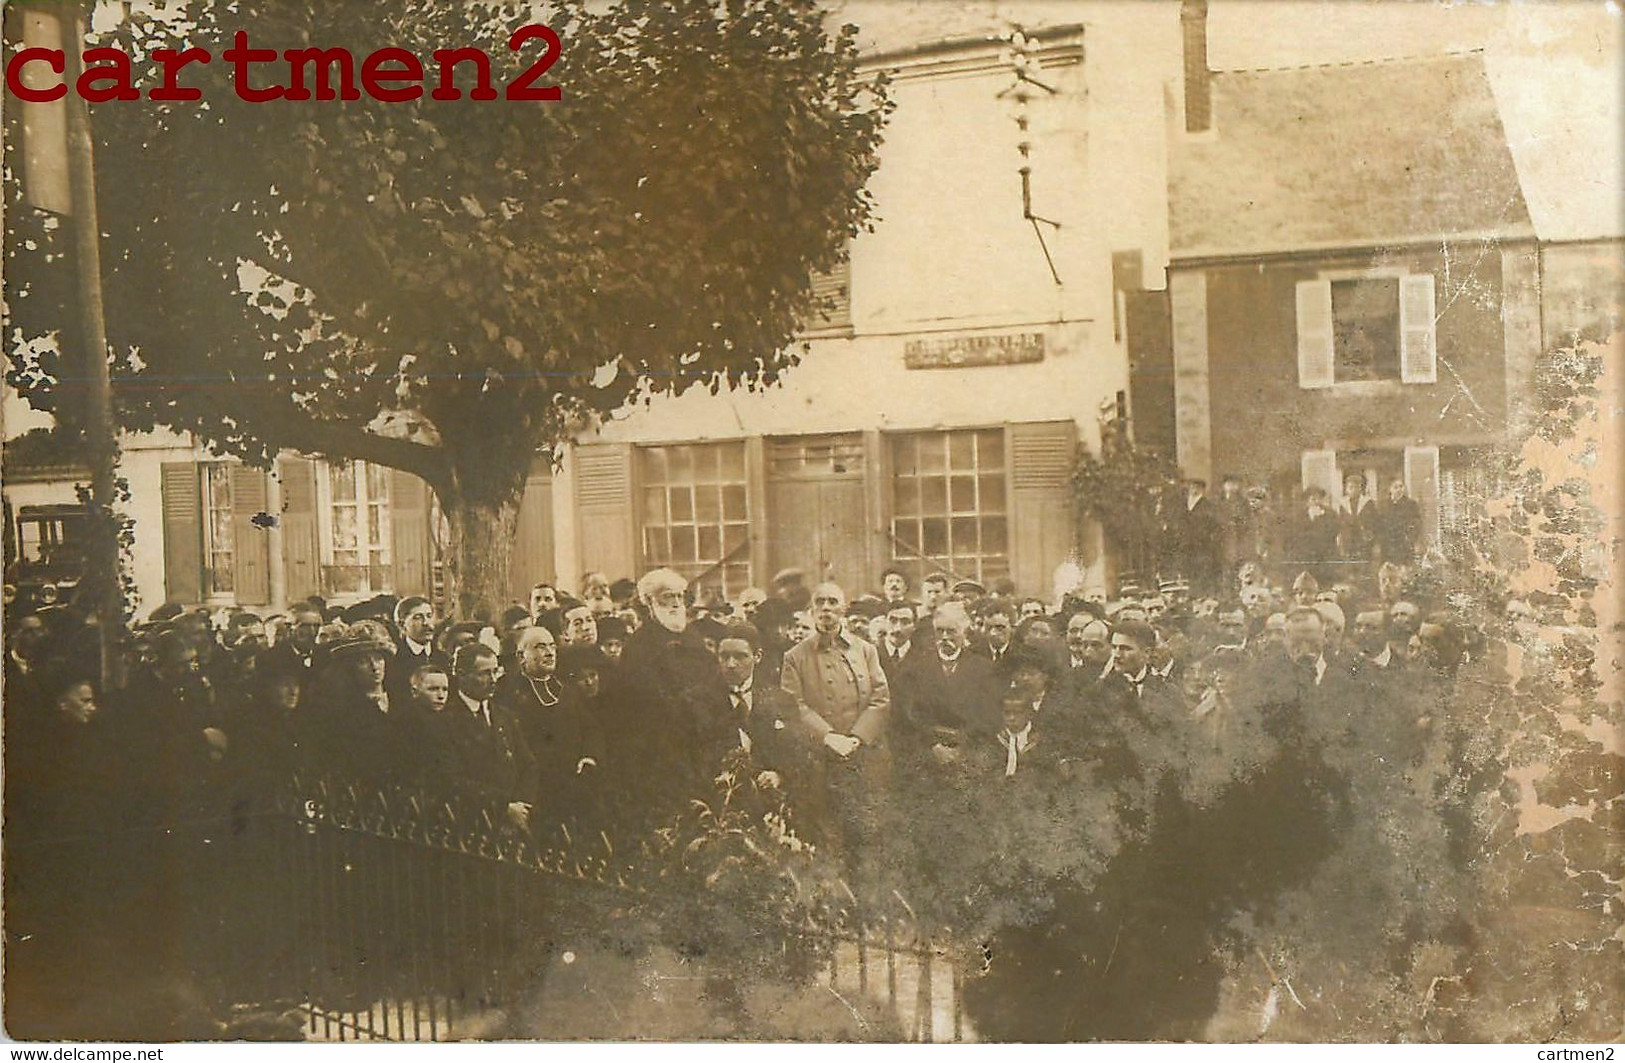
<point x="400" y="916"/>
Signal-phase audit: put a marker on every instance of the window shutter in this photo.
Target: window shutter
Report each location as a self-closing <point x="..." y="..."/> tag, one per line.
<point x="1316" y="357"/>
<point x="1041" y="520"/>
<point x="1319" y="469"/>
<point x="1422" y="484"/>
<point x="605" y="526"/>
<point x="832" y="295"/>
<point x="1418" y="358"/>
<point x="301" y="545"/>
<point x="250" y="541"/>
<point x="183" y="531"/>
<point x="532" y="559"/>
<point x="409" y="533"/>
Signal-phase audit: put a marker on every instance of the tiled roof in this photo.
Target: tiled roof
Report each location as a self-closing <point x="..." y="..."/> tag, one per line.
<point x="1353" y="155"/>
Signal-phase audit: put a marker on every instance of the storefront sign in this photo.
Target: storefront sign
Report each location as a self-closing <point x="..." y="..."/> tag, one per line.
<point x="957" y="351"/>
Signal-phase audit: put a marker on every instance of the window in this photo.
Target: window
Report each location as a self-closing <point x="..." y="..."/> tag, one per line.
<point x="1467" y="481"/>
<point x="1365" y="329"/>
<point x="355" y="529"/>
<point x="948" y="504"/>
<point x="1377" y="325"/>
<point x="695" y="513"/>
<point x="832" y="295"/>
<point x="219" y="550"/>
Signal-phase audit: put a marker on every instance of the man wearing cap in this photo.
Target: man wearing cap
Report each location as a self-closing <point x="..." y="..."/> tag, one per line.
<point x="970" y="591"/>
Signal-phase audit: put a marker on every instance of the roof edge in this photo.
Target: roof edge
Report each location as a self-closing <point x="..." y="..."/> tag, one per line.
<point x="1201" y="256"/>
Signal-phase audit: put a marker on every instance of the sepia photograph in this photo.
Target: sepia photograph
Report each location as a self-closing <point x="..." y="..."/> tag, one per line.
<point x="818" y="521"/>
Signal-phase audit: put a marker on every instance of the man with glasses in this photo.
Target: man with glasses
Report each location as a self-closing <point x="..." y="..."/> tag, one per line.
<point x="296" y="653"/>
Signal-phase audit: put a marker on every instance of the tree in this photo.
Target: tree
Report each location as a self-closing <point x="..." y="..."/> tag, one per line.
<point x="454" y="287"/>
<point x="1125" y="489"/>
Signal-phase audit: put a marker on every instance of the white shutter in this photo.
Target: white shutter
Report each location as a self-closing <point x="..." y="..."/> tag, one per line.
<point x="1316" y="360"/>
<point x="1422" y="484"/>
<point x="1319" y="469"/>
<point x="1418" y="363"/>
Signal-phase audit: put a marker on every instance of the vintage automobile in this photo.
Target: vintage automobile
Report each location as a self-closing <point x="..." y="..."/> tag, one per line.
<point x="46" y="554"/>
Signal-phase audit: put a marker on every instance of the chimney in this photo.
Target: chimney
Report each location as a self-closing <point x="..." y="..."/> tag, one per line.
<point x="1198" y="79"/>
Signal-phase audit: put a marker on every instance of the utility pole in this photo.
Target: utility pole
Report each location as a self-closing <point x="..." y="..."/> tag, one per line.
<point x="109" y="604"/>
<point x="60" y="177"/>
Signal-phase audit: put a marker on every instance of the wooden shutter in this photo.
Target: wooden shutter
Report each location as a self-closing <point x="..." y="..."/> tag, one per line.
<point x="1418" y="357"/>
<point x="409" y="533"/>
<point x="1422" y="484"/>
<point x="532" y="559"/>
<point x="1041" y="529"/>
<point x="183" y="531"/>
<point x="1319" y="469"/>
<point x="1316" y="356"/>
<point x="832" y="292"/>
<point x="605" y="527"/>
<point x="301" y="545"/>
<point x="250" y="540"/>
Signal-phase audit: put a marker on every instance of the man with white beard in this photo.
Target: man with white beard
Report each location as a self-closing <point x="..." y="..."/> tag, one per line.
<point x="676" y="702"/>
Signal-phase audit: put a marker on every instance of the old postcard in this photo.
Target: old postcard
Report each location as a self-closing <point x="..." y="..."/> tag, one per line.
<point x="813" y="520"/>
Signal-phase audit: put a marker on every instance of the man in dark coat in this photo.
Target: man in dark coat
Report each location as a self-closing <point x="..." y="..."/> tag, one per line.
<point x="666" y="702"/>
<point x="297" y="651"/>
<point x="953" y="694"/>
<point x="1399" y="525"/>
<point x="478" y="753"/>
<point x="1312" y="537"/>
<point x="764" y="720"/>
<point x="414" y="617"/>
<point x="998" y="633"/>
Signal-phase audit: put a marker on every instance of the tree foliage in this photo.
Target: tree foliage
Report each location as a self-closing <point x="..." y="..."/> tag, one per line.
<point x="1123" y="489"/>
<point x="451" y="287"/>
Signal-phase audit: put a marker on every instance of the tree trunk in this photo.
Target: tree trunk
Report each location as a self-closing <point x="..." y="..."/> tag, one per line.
<point x="482" y="534"/>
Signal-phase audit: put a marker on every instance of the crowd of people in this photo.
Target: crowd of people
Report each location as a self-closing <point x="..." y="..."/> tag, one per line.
<point x="1209" y="537"/>
<point x="606" y="711"/>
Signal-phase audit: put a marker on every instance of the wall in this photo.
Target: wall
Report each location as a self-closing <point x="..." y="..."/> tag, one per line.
<point x="1582" y="290"/>
<point x="1261" y="420"/>
<point x="847" y="384"/>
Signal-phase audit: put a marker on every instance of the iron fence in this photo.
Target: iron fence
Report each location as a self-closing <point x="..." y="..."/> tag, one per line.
<point x="400" y="916"/>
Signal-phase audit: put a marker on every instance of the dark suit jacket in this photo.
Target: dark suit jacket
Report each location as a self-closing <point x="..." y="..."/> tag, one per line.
<point x="941" y="706"/>
<point x="891" y="664"/>
<point x="398" y="672"/>
<point x="1001" y="663"/>
<point x="1398" y="526"/>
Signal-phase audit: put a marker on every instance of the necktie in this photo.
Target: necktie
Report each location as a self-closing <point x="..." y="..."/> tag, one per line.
<point x="1014" y="744"/>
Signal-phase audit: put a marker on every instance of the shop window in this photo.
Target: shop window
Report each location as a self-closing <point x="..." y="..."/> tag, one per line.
<point x="695" y="513"/>
<point x="949" y="506"/>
